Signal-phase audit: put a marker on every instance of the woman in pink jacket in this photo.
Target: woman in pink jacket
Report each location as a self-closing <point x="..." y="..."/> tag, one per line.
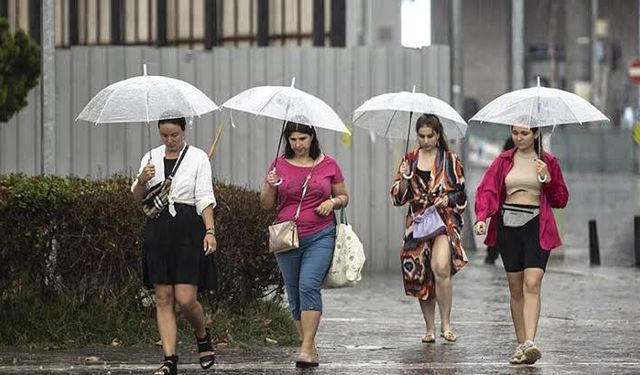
<point x="517" y="193"/>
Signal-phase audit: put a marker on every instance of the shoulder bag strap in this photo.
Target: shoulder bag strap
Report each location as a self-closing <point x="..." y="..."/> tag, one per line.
<point x="304" y="191"/>
<point x="175" y="167"/>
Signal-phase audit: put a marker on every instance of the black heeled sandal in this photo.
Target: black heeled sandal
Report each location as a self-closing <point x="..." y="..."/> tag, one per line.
<point x="169" y="367"/>
<point x="205" y="345"/>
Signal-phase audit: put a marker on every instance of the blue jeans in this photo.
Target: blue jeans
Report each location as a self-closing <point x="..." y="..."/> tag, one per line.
<point x="304" y="269"/>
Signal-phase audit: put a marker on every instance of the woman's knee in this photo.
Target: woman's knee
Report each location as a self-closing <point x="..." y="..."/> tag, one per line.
<point x="164" y="297"/>
<point x="310" y="297"/>
<point x="517" y="294"/>
<point x="441" y="270"/>
<point x="532" y="286"/>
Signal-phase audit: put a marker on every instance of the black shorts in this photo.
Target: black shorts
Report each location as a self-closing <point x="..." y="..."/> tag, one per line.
<point x="520" y="247"/>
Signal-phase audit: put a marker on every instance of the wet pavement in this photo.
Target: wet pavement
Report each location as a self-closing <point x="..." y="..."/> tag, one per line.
<point x="590" y="324"/>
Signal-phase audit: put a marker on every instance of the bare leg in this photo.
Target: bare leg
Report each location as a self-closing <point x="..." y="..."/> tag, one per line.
<point x="166" y="318"/>
<point x="310" y="321"/>
<point x="428" y="308"/>
<point x="298" y="325"/>
<point x="531" y="311"/>
<point x="441" y="267"/>
<point x="515" y="280"/>
<point x="186" y="296"/>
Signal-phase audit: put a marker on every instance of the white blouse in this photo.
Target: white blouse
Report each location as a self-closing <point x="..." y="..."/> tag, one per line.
<point x="192" y="182"/>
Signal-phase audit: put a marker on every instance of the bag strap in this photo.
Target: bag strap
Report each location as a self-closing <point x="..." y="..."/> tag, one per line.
<point x="175" y="167"/>
<point x="304" y="191"/>
<point x="343" y="216"/>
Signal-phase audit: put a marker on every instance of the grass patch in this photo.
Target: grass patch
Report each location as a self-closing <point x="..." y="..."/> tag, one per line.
<point x="63" y="324"/>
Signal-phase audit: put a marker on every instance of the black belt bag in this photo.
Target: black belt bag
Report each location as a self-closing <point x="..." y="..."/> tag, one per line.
<point x="517" y="216"/>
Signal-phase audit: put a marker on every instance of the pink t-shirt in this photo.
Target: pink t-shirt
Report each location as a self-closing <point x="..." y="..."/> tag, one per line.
<point x="325" y="174"/>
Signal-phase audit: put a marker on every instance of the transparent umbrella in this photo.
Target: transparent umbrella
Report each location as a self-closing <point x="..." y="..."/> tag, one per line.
<point x="145" y="99"/>
<point x="288" y="104"/>
<point x="539" y="107"/>
<point x="390" y="115"/>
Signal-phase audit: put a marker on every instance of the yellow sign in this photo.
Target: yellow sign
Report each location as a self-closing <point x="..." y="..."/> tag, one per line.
<point x="346" y="138"/>
<point x="636" y="132"/>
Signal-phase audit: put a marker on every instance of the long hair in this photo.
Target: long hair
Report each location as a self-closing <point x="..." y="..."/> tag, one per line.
<point x="432" y="121"/>
<point x="290" y="128"/>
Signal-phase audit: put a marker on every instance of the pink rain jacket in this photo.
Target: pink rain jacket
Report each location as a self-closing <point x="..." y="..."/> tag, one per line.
<point x="491" y="194"/>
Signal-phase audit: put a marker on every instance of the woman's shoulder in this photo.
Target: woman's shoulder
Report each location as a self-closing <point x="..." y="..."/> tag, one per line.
<point x="196" y="152"/>
<point x="549" y="156"/>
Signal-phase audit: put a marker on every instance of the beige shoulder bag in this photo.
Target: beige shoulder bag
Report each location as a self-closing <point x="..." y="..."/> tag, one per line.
<point x="284" y="236"/>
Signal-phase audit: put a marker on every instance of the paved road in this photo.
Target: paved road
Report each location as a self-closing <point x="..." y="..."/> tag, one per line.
<point x="590" y="324"/>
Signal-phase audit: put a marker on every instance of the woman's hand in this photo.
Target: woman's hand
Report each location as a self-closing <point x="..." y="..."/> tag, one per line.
<point x="325" y="208"/>
<point x="148" y="172"/>
<point x="272" y="178"/>
<point x="542" y="171"/>
<point x="404" y="168"/>
<point x="209" y="244"/>
<point x="442" y="201"/>
<point x="480" y="228"/>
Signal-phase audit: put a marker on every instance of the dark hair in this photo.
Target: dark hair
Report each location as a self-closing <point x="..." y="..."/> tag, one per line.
<point x="314" y="150"/>
<point x="433" y="122"/>
<point x="537" y="143"/>
<point x="180" y="121"/>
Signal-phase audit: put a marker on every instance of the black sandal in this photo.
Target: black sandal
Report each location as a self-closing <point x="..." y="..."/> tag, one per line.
<point x="170" y="366"/>
<point x="205" y="345"/>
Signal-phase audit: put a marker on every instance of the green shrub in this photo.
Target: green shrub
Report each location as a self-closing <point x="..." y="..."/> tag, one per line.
<point x="20" y="62"/>
<point x="73" y="247"/>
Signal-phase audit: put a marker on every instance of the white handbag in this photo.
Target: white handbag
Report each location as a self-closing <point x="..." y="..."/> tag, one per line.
<point x="348" y="257"/>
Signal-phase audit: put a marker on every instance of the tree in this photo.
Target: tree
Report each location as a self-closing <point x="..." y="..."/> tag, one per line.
<point x="20" y="68"/>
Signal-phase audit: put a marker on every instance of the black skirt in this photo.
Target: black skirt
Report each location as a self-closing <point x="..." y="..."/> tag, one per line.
<point x="173" y="251"/>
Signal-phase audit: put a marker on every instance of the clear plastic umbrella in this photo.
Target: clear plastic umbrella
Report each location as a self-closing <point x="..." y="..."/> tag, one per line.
<point x="145" y="99"/>
<point x="539" y="107"/>
<point x="288" y="104"/>
<point x="390" y="115"/>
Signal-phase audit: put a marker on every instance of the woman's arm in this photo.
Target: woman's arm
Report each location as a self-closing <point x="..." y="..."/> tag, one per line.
<point x="400" y="191"/>
<point x="457" y="197"/>
<point x="209" y="242"/>
<point x="556" y="189"/>
<point x="339" y="198"/>
<point x="268" y="196"/>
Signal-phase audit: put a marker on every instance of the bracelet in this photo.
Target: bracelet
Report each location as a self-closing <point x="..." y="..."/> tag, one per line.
<point x="211" y="231"/>
<point x="542" y="180"/>
<point x="407" y="177"/>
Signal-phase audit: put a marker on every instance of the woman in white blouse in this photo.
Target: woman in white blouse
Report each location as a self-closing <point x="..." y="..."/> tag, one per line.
<point x="178" y="242"/>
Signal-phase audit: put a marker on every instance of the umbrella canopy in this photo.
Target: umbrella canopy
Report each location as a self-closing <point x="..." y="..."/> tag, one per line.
<point x="390" y="114"/>
<point x="287" y="103"/>
<point x="539" y="107"/>
<point x="145" y="99"/>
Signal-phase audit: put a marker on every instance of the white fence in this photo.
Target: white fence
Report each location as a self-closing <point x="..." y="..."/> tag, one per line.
<point x="344" y="78"/>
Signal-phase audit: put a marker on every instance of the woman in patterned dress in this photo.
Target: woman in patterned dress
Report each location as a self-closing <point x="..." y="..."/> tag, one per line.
<point x="432" y="175"/>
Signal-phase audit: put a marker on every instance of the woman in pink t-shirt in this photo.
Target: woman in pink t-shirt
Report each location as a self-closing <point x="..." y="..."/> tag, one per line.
<point x="303" y="269"/>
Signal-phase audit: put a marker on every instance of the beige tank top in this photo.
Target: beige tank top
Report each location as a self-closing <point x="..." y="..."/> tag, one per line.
<point x="522" y="177"/>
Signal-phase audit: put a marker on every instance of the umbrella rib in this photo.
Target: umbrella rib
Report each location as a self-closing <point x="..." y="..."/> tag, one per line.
<point x="105" y="105"/>
<point x="195" y="113"/>
<point x="386" y="132"/>
<point x="267" y="103"/>
<point x="496" y="107"/>
<point x="570" y="109"/>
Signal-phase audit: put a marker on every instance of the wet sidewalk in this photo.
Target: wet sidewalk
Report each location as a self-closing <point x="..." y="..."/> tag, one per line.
<point x="590" y="324"/>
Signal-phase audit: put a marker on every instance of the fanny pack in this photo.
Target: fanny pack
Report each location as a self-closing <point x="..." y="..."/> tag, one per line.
<point x="516" y="216"/>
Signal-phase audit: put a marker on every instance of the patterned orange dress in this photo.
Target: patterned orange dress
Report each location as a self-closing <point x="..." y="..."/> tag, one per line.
<point x="416" y="254"/>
